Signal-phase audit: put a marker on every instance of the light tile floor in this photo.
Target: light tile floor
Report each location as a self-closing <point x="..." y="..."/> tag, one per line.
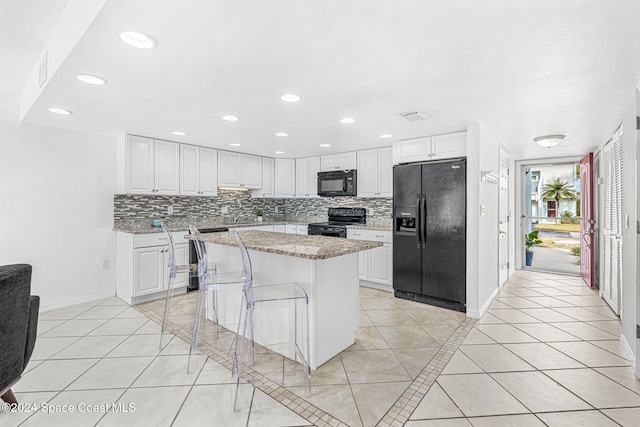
<point x="546" y="353"/>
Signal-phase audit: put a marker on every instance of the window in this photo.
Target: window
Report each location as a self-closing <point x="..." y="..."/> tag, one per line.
<point x="551" y="208"/>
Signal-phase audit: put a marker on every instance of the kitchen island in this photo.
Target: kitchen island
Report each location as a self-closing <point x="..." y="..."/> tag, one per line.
<point x="325" y="267"/>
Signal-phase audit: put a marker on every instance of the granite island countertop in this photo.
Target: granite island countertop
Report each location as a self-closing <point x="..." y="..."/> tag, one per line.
<point x="296" y="245"/>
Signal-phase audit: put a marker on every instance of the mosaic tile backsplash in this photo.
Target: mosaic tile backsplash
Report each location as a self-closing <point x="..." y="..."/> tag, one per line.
<point x="132" y="207"/>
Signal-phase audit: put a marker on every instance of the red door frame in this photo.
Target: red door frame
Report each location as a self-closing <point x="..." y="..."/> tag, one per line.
<point x="587" y="224"/>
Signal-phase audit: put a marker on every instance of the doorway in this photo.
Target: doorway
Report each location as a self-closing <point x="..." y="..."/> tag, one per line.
<point x="551" y="216"/>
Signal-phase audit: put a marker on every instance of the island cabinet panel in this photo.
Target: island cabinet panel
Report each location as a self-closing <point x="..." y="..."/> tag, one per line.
<point x="236" y="170"/>
<point x="152" y="166"/>
<point x="285" y="178"/>
<point x="332" y="287"/>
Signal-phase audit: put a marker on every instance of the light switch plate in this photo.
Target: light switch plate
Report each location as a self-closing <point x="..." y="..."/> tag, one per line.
<point x="225" y="210"/>
<point x="483" y="210"/>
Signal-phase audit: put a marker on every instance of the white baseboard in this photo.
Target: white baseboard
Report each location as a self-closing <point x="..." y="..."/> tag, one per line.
<point x="628" y="352"/>
<point x="74" y="301"/>
<point x="476" y="314"/>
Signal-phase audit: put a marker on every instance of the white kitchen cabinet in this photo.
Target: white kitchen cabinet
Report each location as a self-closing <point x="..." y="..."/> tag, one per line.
<point x="268" y="179"/>
<point x="340" y="161"/>
<point x="375" y="173"/>
<point x="236" y="170"/>
<point x="280" y="228"/>
<point x="307" y="169"/>
<point x="375" y="265"/>
<point x="446" y="146"/>
<point x="152" y="166"/>
<point x="302" y="229"/>
<point x="285" y="177"/>
<point x="198" y="171"/>
<point x="143" y="265"/>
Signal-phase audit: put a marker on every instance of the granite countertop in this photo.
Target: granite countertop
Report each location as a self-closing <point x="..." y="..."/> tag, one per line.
<point x="297" y="245"/>
<point x="143" y="226"/>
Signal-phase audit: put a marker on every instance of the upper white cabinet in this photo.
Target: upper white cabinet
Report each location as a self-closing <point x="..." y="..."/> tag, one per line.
<point x="375" y="173"/>
<point x="268" y="179"/>
<point x="343" y="161"/>
<point x="307" y="170"/>
<point x="238" y="170"/>
<point x="152" y="166"/>
<point x="285" y="177"/>
<point x="198" y="171"/>
<point x="436" y="147"/>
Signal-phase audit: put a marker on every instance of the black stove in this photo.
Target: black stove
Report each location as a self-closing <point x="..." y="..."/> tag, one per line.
<point x="339" y="218"/>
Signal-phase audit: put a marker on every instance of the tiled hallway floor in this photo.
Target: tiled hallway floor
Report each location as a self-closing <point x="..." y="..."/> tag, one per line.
<point x="546" y="353"/>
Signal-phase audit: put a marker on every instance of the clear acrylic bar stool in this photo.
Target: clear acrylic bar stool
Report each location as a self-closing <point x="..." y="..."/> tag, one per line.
<point x="190" y="269"/>
<point x="253" y="296"/>
<point x="209" y="280"/>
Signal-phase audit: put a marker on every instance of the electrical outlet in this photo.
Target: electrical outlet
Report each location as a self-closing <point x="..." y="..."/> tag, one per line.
<point x="170" y="210"/>
<point x="277" y="209"/>
<point x="483" y="210"/>
<point x="106" y="264"/>
<point x="370" y="212"/>
<point x="224" y="210"/>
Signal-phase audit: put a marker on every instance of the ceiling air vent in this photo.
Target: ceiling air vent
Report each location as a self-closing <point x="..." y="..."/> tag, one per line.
<point x="414" y="116"/>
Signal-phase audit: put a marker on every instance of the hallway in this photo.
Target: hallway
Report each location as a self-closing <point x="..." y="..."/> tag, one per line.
<point x="547" y="352"/>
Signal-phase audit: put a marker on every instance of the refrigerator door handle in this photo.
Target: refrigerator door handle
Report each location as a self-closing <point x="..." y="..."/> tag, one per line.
<point x="418" y="222"/>
<point x="424" y="221"/>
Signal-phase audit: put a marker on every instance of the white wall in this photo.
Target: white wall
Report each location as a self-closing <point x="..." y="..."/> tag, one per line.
<point x="56" y="192"/>
<point x="482" y="230"/>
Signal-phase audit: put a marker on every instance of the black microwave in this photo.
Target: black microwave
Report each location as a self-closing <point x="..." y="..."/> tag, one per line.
<point x="337" y="183"/>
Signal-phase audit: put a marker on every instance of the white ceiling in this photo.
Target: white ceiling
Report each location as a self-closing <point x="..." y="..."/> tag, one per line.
<point x="518" y="69"/>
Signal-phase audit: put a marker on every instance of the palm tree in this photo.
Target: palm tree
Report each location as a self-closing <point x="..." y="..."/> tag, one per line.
<point x="557" y="191"/>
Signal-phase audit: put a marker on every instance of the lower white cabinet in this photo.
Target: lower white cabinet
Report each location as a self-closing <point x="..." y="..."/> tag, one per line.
<point x="143" y="265"/>
<point x="375" y="265"/>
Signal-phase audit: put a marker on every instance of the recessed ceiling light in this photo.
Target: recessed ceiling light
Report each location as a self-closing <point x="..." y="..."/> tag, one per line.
<point x="60" y="111"/>
<point x="179" y="133"/>
<point x="325" y="145"/>
<point x="290" y="97"/>
<point x="91" y="79"/>
<point x="347" y="120"/>
<point x="138" y="39"/>
<point x="282" y="134"/>
<point x="386" y="135"/>
<point x="279" y="152"/>
<point x="235" y="144"/>
<point x="230" y="118"/>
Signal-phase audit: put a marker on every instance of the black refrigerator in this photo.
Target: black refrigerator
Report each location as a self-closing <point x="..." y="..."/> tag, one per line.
<point x="429" y="233"/>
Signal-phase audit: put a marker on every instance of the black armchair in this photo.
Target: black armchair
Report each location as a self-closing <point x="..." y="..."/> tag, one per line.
<point x="18" y="325"/>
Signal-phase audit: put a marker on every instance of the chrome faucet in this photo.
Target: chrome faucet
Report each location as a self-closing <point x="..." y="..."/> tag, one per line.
<point x="236" y="214"/>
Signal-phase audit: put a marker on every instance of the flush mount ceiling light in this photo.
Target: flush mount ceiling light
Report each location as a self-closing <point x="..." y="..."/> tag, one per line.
<point x="386" y="135"/>
<point x="179" y="133"/>
<point x="548" y="141"/>
<point x="279" y="152"/>
<point x="347" y="120"/>
<point x="230" y="118"/>
<point x="290" y="97"/>
<point x="282" y="134"/>
<point x="235" y="144"/>
<point x="60" y="111"/>
<point x="138" y="39"/>
<point x="91" y="79"/>
<point x="325" y="145"/>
